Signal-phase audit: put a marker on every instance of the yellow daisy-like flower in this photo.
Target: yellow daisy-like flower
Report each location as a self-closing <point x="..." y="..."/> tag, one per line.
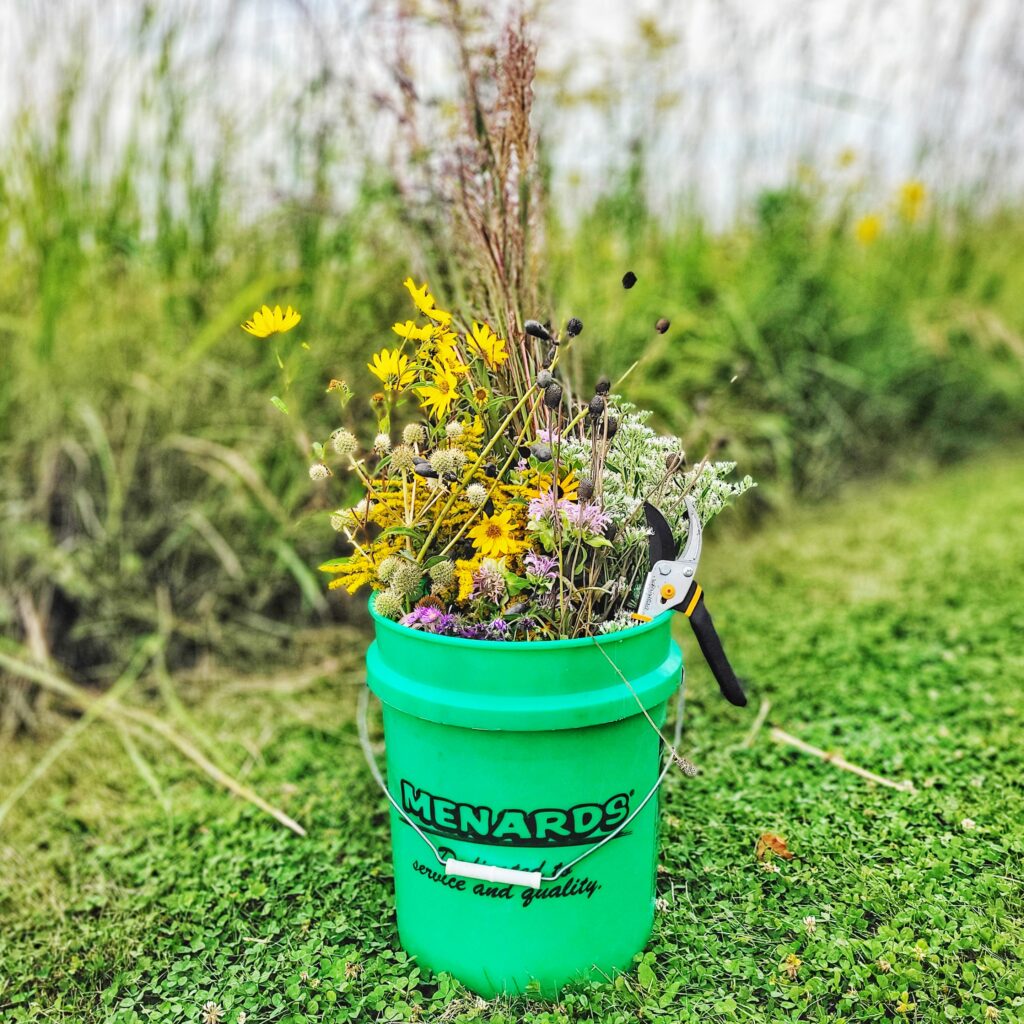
<point x="488" y="344"/>
<point x="911" y="201"/>
<point x="464" y="569"/>
<point x="411" y="332"/>
<point x="569" y="485"/>
<point x="437" y="398"/>
<point x="492" y="537"/>
<point x="267" y="321"/>
<point x="391" y="368"/>
<point x="868" y="228"/>
<point x="426" y="303"/>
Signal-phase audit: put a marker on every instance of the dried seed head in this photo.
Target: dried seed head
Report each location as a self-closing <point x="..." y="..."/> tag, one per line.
<point x="603" y="386"/>
<point x="454" y="430"/>
<point x="406" y="578"/>
<point x="553" y="395"/>
<point x="382" y="444"/>
<point x="442" y="575"/>
<point x="611" y="427"/>
<point x="423" y="468"/>
<point x="476" y="495"/>
<point x="574" y="327"/>
<point x="544" y="378"/>
<point x="549" y="356"/>
<point x="675" y="461"/>
<point x="718" y="444"/>
<point x="448" y="461"/>
<point x="628" y="279"/>
<point x="386" y="569"/>
<point x="403" y="458"/>
<point x="541" y="452"/>
<point x="318" y="471"/>
<point x="537" y="330"/>
<point x="344" y="442"/>
<point x="597" y="406"/>
<point x="586" y="490"/>
<point x="690" y="770"/>
<point x="662" y="325"/>
<point x="388" y="604"/>
<point x="414" y="433"/>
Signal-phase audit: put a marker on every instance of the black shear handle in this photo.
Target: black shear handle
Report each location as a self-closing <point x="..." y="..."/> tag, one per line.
<point x="711" y="648"/>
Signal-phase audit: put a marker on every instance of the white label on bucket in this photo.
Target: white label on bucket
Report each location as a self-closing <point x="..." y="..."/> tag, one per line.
<point x="489" y="873"/>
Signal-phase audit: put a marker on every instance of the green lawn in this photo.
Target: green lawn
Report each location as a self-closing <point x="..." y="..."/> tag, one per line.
<point x="888" y="626"/>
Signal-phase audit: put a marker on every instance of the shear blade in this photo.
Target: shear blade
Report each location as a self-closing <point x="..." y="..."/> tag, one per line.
<point x="661" y="547"/>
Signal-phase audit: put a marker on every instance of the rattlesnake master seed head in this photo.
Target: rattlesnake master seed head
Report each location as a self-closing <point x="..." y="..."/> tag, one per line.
<point x="318" y="471"/>
<point x="448" y="461"/>
<point x="382" y="444"/>
<point x="414" y="433"/>
<point x="386" y="569"/>
<point x="344" y="442"/>
<point x="476" y="495"/>
<point x="454" y="430"/>
<point x="403" y="459"/>
<point x="388" y="604"/>
<point x="442" y="574"/>
<point x="406" y="578"/>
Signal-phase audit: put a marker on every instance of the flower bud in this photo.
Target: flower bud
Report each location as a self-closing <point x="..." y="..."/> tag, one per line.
<point x="454" y="430"/>
<point x="442" y="575"/>
<point x="611" y="427"/>
<point x="675" y="461"/>
<point x="537" y="330"/>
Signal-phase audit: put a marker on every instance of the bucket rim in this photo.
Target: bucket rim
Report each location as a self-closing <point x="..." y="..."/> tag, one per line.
<point x="516" y="645"/>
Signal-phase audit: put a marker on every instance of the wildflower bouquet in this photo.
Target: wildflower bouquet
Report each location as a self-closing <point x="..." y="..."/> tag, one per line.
<point x="497" y="505"/>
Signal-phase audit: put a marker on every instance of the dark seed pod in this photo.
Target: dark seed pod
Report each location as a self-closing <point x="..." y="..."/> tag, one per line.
<point x="537" y="330"/>
<point x="524" y="451"/>
<point x="675" y="461"/>
<point x="541" y="452"/>
<point x="586" y="491"/>
<point x="603" y="386"/>
<point x="550" y="355"/>
<point x="490" y="470"/>
<point x="424" y="469"/>
<point x="517" y="609"/>
<point x="662" y="325"/>
<point x="597" y="406"/>
<point x="544" y="378"/>
<point x="553" y="395"/>
<point x="574" y="327"/>
<point x="628" y="279"/>
<point x="611" y="427"/>
<point x="718" y="444"/>
<point x="610" y="531"/>
<point x="488" y="507"/>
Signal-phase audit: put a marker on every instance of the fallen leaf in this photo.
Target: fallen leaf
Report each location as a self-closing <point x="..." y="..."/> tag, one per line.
<point x="771" y="843"/>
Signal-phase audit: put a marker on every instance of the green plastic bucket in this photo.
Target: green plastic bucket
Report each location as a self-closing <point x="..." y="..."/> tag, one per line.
<point x="529" y="757"/>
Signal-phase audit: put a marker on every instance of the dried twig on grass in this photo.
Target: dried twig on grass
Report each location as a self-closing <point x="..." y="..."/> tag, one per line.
<point x="752" y="732"/>
<point x="780" y="736"/>
<point x="116" y="712"/>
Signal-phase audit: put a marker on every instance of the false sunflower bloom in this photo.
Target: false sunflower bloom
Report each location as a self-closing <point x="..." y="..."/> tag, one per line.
<point x="426" y="303"/>
<point x="911" y="200"/>
<point x="868" y="228"/>
<point x="392" y="369"/>
<point x="568" y="486"/>
<point x="267" y="321"/>
<point x="437" y="398"/>
<point x="411" y="332"/>
<point x="493" y="536"/>
<point x="489" y="345"/>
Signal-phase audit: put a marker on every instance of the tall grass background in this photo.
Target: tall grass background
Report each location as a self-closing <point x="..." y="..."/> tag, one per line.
<point x="167" y="167"/>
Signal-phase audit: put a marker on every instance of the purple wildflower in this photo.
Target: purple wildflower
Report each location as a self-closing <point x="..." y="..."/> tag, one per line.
<point x="545" y="566"/>
<point x="544" y="506"/>
<point x="548" y="436"/>
<point x="448" y="625"/>
<point x="497" y="629"/>
<point x="421" y="618"/>
<point x="586" y="518"/>
<point x="488" y="583"/>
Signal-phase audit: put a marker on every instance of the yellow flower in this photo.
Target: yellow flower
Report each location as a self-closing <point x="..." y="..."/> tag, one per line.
<point x="868" y="228"/>
<point x="492" y="536"/>
<point x="437" y="398"/>
<point x="392" y="369"/>
<point x="568" y="486"/>
<point x="905" y="1005"/>
<point x="426" y="303"/>
<point x="847" y="157"/>
<point x="267" y="321"/>
<point x="911" y="201"/>
<point x="464" y="569"/>
<point x="411" y="332"/>
<point x="488" y="344"/>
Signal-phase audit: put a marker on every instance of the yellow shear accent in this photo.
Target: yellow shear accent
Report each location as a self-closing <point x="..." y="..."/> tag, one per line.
<point x="697" y="591"/>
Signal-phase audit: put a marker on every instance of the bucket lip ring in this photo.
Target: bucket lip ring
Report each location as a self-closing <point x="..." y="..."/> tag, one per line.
<point x="516" y="645"/>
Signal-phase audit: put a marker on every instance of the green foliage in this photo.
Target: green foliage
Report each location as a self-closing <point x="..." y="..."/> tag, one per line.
<point x="884" y="626"/>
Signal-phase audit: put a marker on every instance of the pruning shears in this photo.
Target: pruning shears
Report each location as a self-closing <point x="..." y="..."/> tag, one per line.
<point x="672" y="584"/>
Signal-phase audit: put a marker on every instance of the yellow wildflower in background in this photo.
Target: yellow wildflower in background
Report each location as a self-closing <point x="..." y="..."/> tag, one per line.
<point x="411" y="332"/>
<point x="489" y="345"/>
<point x="391" y="368"/>
<point x="492" y="537"/>
<point x="267" y="321"/>
<point x="911" y="200"/>
<point x="868" y="228"/>
<point x="426" y="303"/>
<point x="437" y="398"/>
<point x="568" y="486"/>
<point x="847" y="157"/>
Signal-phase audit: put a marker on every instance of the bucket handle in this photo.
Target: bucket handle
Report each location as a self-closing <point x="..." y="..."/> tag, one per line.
<point x="490" y="872"/>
